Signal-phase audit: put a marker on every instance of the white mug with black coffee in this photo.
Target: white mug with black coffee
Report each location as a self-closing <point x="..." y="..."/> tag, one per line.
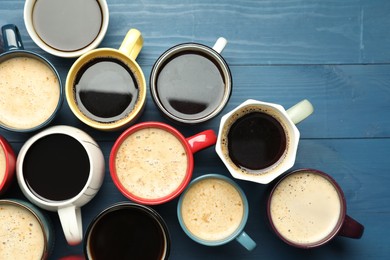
<point x="61" y="169"/>
<point x="258" y="141"/>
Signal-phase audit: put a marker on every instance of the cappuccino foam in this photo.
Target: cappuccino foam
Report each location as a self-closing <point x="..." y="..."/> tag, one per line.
<point x="212" y="209"/>
<point x="305" y="208"/>
<point x="21" y="235"/>
<point x="30" y="92"/>
<point x="3" y="162"/>
<point x="151" y="163"/>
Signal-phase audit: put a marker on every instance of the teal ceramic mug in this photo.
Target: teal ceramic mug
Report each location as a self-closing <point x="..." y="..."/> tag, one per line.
<point x="213" y="211"/>
<point x="30" y="86"/>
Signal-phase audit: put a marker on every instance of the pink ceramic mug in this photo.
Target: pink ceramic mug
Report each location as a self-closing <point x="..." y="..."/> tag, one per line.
<point x="7" y="164"/>
<point x="151" y="163"/>
<point x="307" y="208"/>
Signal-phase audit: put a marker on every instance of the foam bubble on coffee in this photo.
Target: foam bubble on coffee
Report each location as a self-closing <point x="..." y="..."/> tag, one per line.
<point x="151" y="163"/>
<point x="29" y="92"/>
<point x="305" y="208"/>
<point x="21" y="235"/>
<point x="212" y="209"/>
<point x="3" y="163"/>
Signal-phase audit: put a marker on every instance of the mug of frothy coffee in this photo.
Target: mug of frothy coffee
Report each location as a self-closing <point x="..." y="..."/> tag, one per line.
<point x="152" y="162"/>
<point x="31" y="91"/>
<point x="61" y="169"/>
<point x="127" y="230"/>
<point x="25" y="233"/>
<point x="191" y="83"/>
<point x="7" y="164"/>
<point x="66" y="28"/>
<point x="213" y="210"/>
<point x="258" y="141"/>
<point x="105" y="88"/>
<point x="307" y="208"/>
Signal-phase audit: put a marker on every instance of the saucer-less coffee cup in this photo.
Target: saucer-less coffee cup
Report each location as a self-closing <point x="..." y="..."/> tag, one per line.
<point x="66" y="28"/>
<point x="61" y="169"/>
<point x="105" y="88"/>
<point x="191" y="83"/>
<point x="258" y="141"/>
<point x="30" y="87"/>
<point x="127" y="231"/>
<point x="25" y="232"/>
<point x="307" y="208"/>
<point x="7" y="164"/>
<point x="151" y="162"/>
<point x="213" y="211"/>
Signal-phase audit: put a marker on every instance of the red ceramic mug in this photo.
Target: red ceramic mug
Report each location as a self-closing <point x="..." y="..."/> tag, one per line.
<point x="151" y="163"/>
<point x="7" y="164"/>
<point x="307" y="208"/>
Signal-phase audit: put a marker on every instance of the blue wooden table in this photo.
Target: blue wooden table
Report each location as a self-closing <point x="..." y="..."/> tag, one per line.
<point x="334" y="53"/>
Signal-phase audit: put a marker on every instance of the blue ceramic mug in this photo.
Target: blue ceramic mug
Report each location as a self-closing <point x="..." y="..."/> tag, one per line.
<point x="31" y="90"/>
<point x="213" y="211"/>
<point x="25" y="232"/>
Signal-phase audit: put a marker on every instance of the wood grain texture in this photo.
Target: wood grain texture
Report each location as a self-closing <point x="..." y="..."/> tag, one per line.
<point x="334" y="53"/>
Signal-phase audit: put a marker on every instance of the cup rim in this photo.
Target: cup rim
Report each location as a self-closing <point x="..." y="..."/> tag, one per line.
<point x="54" y="205"/>
<point x="27" y="14"/>
<point x="239" y="229"/>
<point x="30" y="208"/>
<point x="133" y="66"/>
<point x="128" y="204"/>
<point x="268" y="174"/>
<point x="123" y="137"/>
<point x="339" y="224"/>
<point x="222" y="65"/>
<point x="27" y="53"/>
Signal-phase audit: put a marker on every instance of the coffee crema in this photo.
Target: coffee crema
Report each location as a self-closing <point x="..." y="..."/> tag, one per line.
<point x="212" y="209"/>
<point x="21" y="234"/>
<point x="105" y="89"/>
<point x="3" y="164"/>
<point x="30" y="92"/>
<point x="190" y="85"/>
<point x="151" y="163"/>
<point x="305" y="208"/>
<point x="253" y="140"/>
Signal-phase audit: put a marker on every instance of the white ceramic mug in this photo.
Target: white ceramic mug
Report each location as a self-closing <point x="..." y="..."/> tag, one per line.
<point x="62" y="150"/>
<point x="258" y="141"/>
<point x="66" y="28"/>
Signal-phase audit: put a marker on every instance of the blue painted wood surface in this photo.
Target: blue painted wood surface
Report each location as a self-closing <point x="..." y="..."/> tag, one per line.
<point x="334" y="53"/>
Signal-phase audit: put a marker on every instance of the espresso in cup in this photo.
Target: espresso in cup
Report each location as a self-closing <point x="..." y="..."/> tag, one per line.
<point x="127" y="231"/>
<point x="23" y="234"/>
<point x="307" y="208"/>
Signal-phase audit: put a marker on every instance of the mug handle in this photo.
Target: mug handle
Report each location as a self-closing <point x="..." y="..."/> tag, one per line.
<point x="220" y="45"/>
<point x="132" y="44"/>
<point x="246" y="241"/>
<point x="202" y="140"/>
<point x="71" y="223"/>
<point x="351" y="228"/>
<point x="300" y="111"/>
<point x="11" y="37"/>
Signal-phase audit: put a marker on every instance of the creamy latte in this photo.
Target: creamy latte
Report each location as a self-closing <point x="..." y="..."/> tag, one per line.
<point x="212" y="209"/>
<point x="305" y="208"/>
<point x="151" y="163"/>
<point x="21" y="235"/>
<point x="30" y="92"/>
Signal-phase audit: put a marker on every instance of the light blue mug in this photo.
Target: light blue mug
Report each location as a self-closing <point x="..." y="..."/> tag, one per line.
<point x="213" y="211"/>
<point x="25" y="231"/>
<point x="31" y="89"/>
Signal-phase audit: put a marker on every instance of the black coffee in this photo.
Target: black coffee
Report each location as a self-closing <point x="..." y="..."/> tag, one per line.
<point x="190" y="85"/>
<point x="67" y="25"/>
<point x="256" y="141"/>
<point x="105" y="90"/>
<point x="126" y="233"/>
<point x="56" y="167"/>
